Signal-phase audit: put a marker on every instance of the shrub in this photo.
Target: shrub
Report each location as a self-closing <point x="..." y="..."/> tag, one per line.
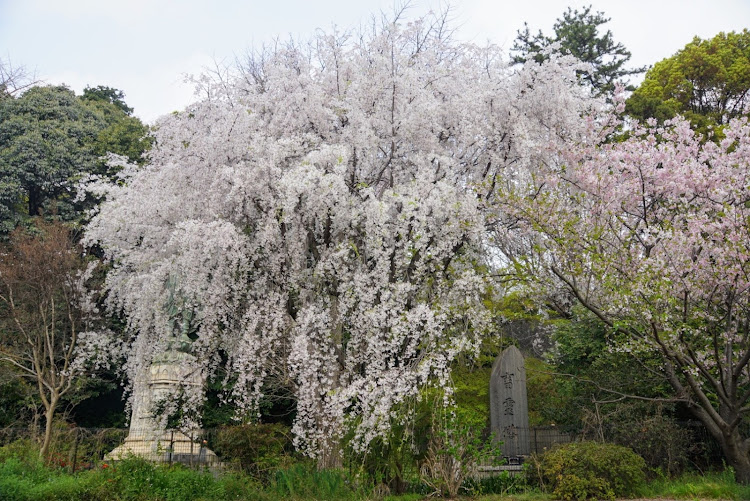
<point x="657" y="439"/>
<point x="583" y="470"/>
<point x="258" y="449"/>
<point x="453" y="454"/>
<point x="132" y="479"/>
<point x="304" y="481"/>
<point x="23" y="449"/>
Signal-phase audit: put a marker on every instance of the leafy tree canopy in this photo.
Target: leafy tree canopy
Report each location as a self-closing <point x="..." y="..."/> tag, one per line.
<point x="577" y="34"/>
<point x="650" y="235"/>
<point x="49" y="139"/>
<point x="708" y="82"/>
<point x="107" y="95"/>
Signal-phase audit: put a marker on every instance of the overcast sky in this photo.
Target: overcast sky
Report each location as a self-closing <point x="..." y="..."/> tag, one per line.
<point x="145" y="47"/>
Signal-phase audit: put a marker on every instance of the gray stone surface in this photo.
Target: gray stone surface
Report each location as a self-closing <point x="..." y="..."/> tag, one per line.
<point x="509" y="409"/>
<point x="147" y="437"/>
<point x="168" y="371"/>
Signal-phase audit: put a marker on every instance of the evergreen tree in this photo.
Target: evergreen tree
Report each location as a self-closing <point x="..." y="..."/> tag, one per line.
<point x="577" y="34"/>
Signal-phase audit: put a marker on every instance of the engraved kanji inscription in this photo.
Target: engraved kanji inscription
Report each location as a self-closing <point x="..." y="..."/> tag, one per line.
<point x="508" y="406"/>
<point x="508" y="380"/>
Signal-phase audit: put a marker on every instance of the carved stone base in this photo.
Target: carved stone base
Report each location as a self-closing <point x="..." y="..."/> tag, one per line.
<point x="170" y="447"/>
<point x="147" y="438"/>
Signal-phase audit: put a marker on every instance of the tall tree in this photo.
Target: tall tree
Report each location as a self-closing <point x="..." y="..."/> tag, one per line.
<point x="321" y="213"/>
<point x="708" y="82"/>
<point x="45" y="316"/>
<point x="107" y="95"/>
<point x="577" y="34"/>
<point x="651" y="235"/>
<point x="49" y="140"/>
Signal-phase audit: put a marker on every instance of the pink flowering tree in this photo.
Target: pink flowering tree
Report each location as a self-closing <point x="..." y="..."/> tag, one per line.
<point x="651" y="234"/>
<point x="323" y="214"/>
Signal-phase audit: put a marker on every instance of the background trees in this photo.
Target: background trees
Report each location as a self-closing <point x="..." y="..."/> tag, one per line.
<point x="650" y="235"/>
<point x="45" y="316"/>
<point x="577" y="34"/>
<point x="707" y="82"/>
<point x="49" y="140"/>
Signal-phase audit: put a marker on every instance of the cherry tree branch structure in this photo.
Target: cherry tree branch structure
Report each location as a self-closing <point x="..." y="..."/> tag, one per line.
<point x="650" y="233"/>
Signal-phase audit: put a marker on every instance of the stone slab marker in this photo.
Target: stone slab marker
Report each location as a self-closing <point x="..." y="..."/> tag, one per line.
<point x="509" y="409"/>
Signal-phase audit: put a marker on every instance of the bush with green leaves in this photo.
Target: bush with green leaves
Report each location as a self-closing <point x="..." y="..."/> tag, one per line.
<point x="27" y="478"/>
<point x="665" y="445"/>
<point x="583" y="470"/>
<point x="257" y="449"/>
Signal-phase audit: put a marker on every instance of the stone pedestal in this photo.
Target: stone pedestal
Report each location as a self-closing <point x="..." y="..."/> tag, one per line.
<point x="509" y="410"/>
<point x="146" y="438"/>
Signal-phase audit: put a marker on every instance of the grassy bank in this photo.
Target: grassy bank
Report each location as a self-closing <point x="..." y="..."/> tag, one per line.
<point x="24" y="477"/>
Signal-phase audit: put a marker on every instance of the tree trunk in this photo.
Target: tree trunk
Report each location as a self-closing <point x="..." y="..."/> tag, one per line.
<point x="35" y="201"/>
<point x="735" y="448"/>
<point x="48" y="415"/>
<point x="330" y="456"/>
<point x="737" y="456"/>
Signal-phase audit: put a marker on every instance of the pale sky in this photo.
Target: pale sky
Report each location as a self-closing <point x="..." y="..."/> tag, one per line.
<point x="145" y="47"/>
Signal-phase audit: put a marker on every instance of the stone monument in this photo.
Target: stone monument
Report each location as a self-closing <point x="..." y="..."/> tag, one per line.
<point x="509" y="410"/>
<point x="169" y="370"/>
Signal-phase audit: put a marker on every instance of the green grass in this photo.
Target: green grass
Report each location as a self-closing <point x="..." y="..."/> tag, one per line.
<point x="529" y="496"/>
<point x="134" y="479"/>
<point x="717" y="485"/>
<point x="23" y="477"/>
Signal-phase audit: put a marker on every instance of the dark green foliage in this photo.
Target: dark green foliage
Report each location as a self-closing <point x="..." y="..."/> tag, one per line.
<point x="589" y="470"/>
<point x="578" y="35"/>
<point x="107" y="95"/>
<point x="257" y="449"/>
<point x="49" y="139"/>
<point x="46" y="139"/>
<point x="17" y="400"/>
<point x="593" y="382"/>
<point x="547" y="396"/>
<point x="655" y="437"/>
<point x="589" y="371"/>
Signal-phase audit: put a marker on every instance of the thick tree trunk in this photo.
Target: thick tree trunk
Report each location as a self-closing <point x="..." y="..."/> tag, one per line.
<point x="737" y="456"/>
<point x="330" y="456"/>
<point x="735" y="448"/>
